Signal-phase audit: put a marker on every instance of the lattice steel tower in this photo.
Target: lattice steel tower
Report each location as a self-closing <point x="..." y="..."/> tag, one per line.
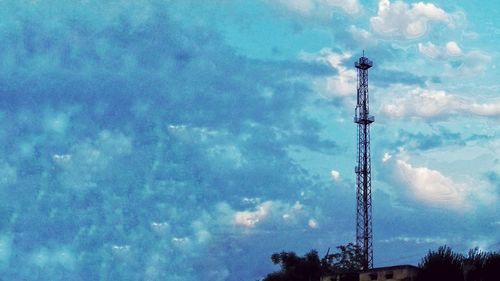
<point x="362" y="117"/>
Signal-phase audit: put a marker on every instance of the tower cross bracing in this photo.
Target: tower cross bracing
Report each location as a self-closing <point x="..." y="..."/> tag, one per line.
<point x="363" y="119"/>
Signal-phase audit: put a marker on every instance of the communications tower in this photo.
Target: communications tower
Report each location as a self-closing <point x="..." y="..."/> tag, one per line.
<point x="362" y="117"/>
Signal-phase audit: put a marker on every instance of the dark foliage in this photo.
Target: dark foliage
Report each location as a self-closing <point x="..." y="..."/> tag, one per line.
<point x="296" y="268"/>
<point x="491" y="267"/>
<point x="444" y="264"/>
<point x="473" y="265"/>
<point x="441" y="264"/>
<point x="310" y="267"/>
<point x="348" y="259"/>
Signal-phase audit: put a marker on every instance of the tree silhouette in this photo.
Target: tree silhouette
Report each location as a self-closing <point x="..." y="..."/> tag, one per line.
<point x="348" y="259"/>
<point x="491" y="267"/>
<point x="295" y="268"/>
<point x="473" y="265"/>
<point x="442" y="264"/>
<point x="310" y="267"/>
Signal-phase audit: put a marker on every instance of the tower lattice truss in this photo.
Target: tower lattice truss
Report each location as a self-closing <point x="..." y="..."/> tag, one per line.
<point x="364" y="234"/>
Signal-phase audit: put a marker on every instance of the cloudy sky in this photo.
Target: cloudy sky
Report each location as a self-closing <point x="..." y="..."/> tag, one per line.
<point x="189" y="140"/>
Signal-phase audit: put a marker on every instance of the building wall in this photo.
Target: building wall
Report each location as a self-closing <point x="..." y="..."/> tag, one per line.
<point x="341" y="277"/>
<point x="392" y="273"/>
<point x="404" y="273"/>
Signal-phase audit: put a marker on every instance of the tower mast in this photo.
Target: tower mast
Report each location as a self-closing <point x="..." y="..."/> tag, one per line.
<point x="362" y="117"/>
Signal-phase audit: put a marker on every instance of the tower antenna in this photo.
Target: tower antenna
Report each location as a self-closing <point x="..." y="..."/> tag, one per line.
<point x="362" y="117"/>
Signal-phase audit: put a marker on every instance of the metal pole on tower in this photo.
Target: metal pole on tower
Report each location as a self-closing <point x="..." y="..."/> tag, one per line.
<point x="363" y="119"/>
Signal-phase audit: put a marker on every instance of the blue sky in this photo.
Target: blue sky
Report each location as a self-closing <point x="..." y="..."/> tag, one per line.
<point x="189" y="140"/>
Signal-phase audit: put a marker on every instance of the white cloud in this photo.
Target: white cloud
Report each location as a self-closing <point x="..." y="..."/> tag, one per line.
<point x="121" y="251"/>
<point x="420" y="102"/>
<point x="341" y="85"/>
<point x="469" y="63"/>
<point x="430" y="103"/>
<point x="191" y="134"/>
<point x="160" y="228"/>
<point x="452" y="49"/>
<point x="201" y="233"/>
<point x="253" y="200"/>
<point x="61" y="158"/>
<point x="473" y="63"/>
<point x="5" y="249"/>
<point x="312" y="223"/>
<point x="45" y="258"/>
<point x="416" y="240"/>
<point x="317" y="8"/>
<point x="362" y="36"/>
<point x="483" y="109"/>
<point x="335" y="175"/>
<point x="402" y="21"/>
<point x="303" y="7"/>
<point x="433" y="187"/>
<point x="182" y="243"/>
<point x="386" y="157"/>
<point x="430" y="186"/>
<point x="271" y="212"/>
<point x="8" y="174"/>
<point x="89" y="159"/>
<point x="349" y="6"/>
<point x="252" y="218"/>
<point x="56" y="122"/>
<point x="227" y="155"/>
<point x="484" y="243"/>
<point x="430" y="50"/>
